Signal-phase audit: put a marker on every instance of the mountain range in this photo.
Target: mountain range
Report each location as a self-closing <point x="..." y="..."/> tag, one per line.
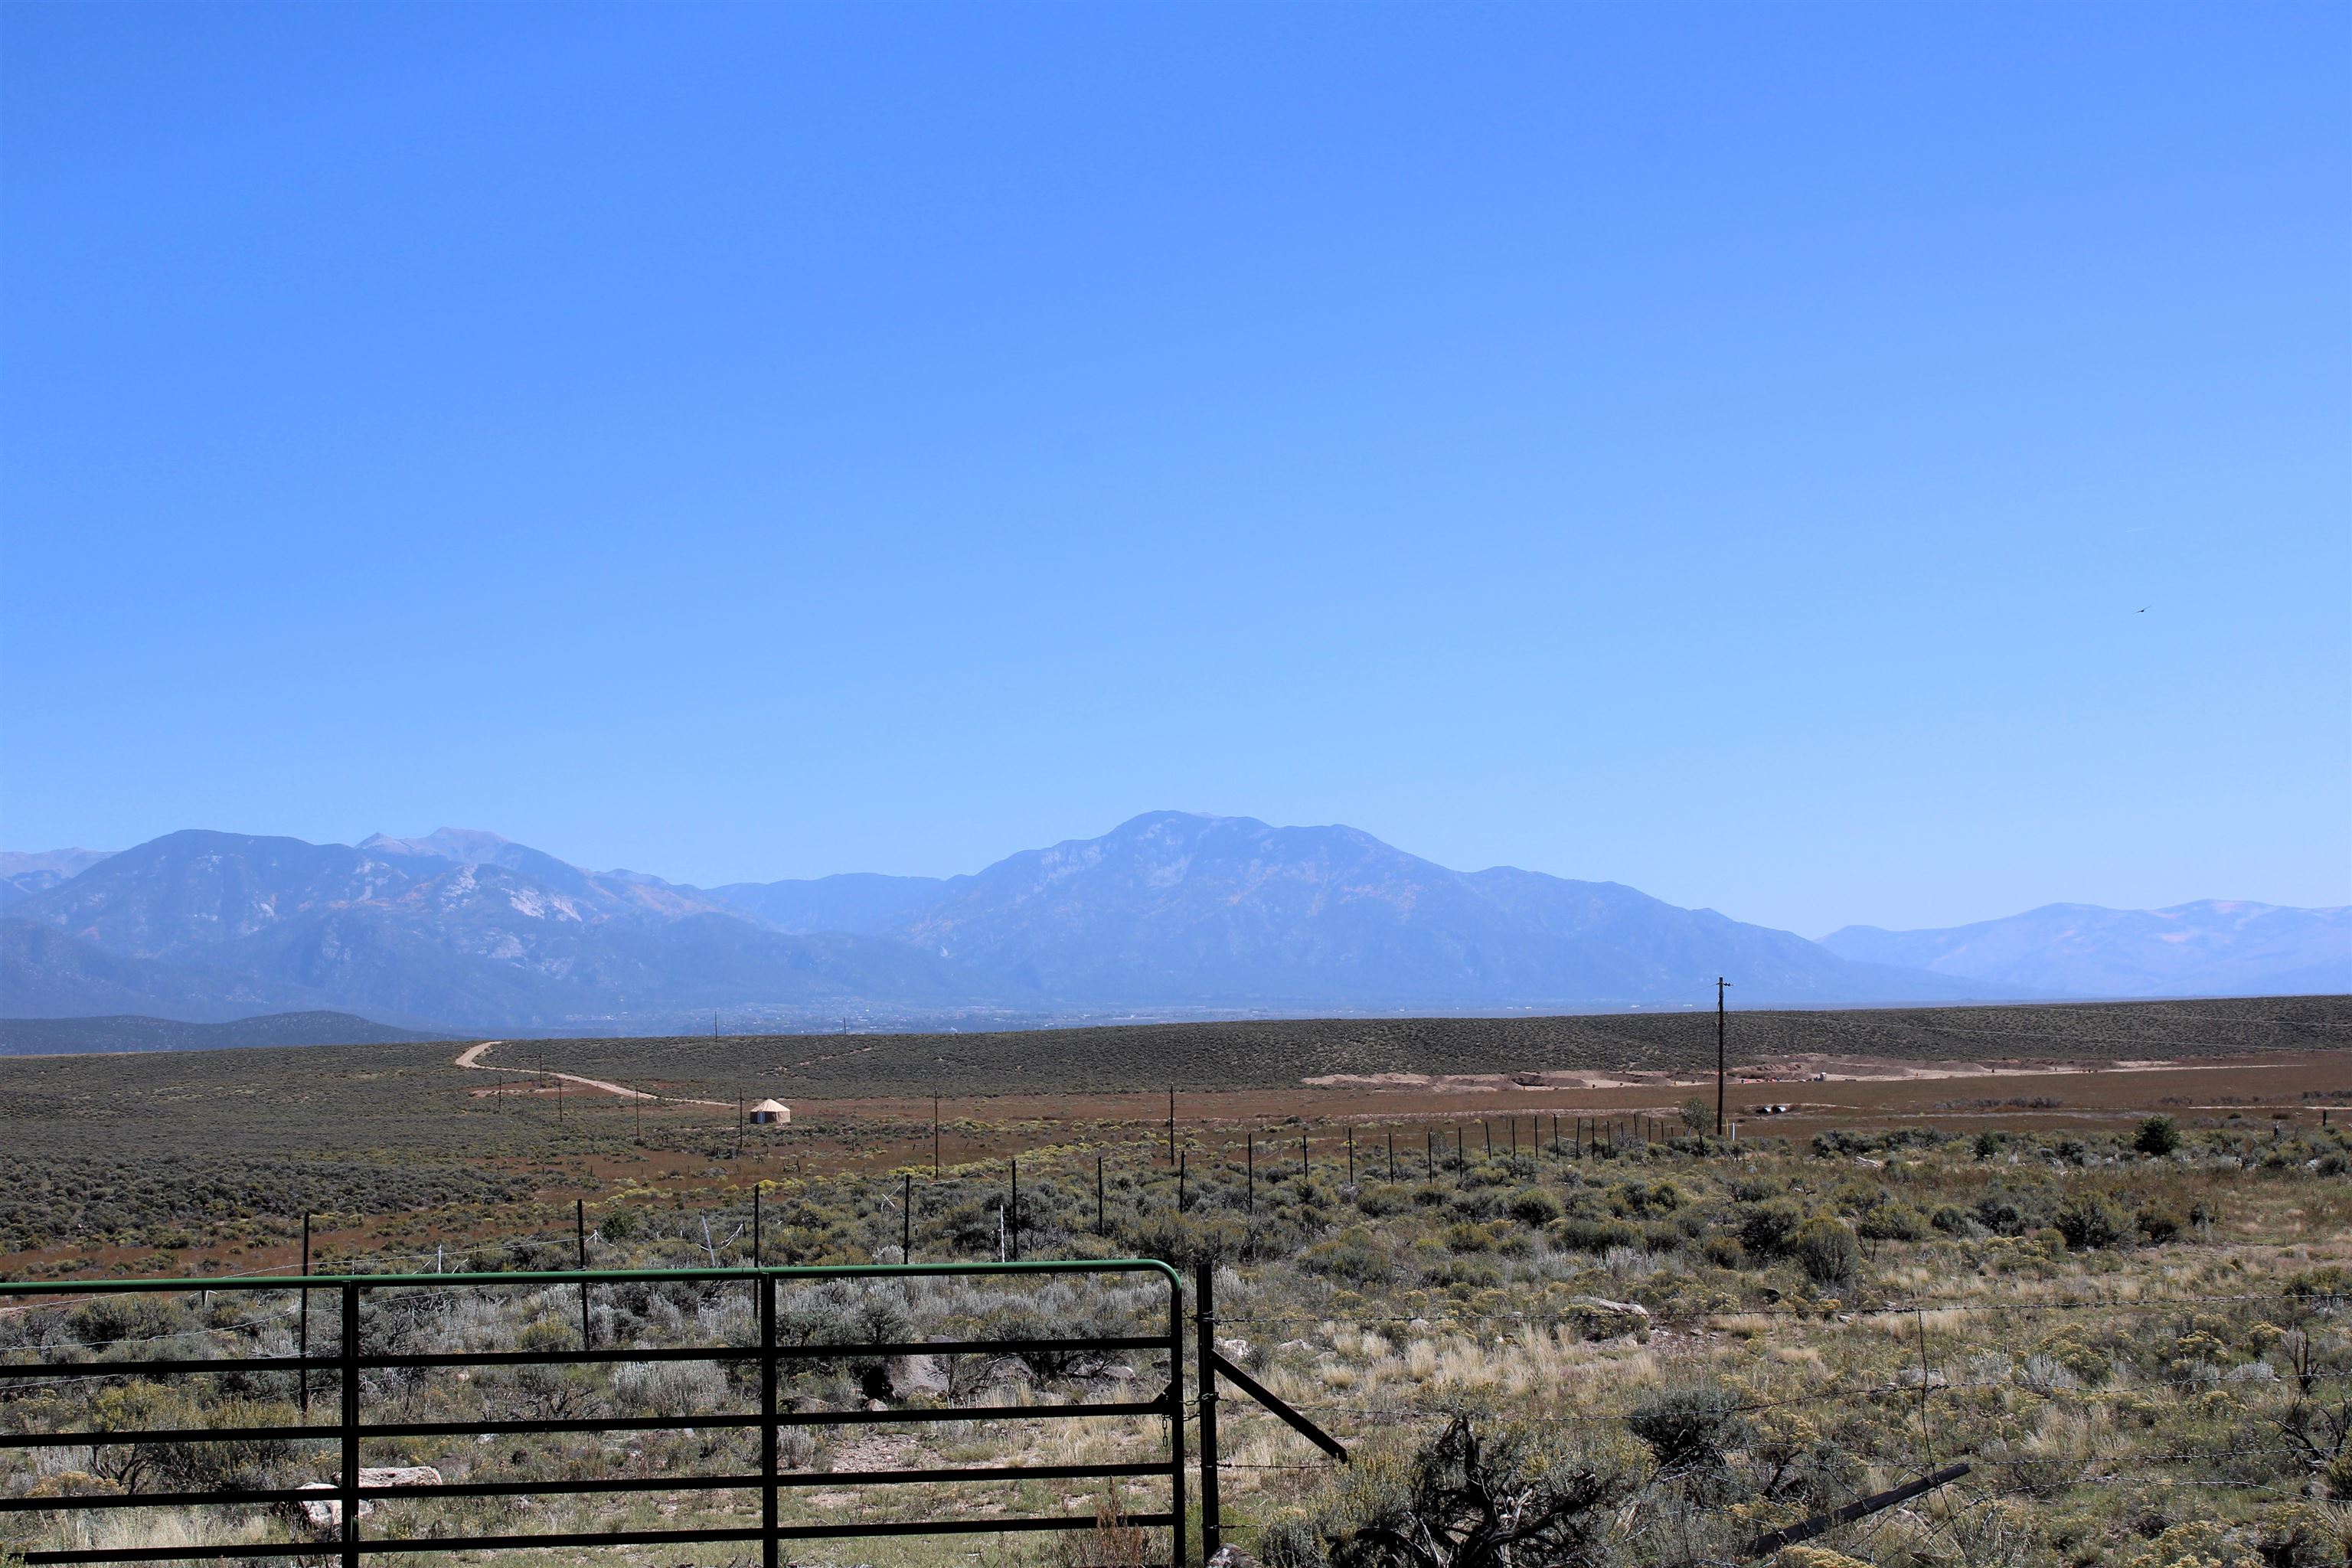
<point x="2210" y="948"/>
<point x="463" y="931"/>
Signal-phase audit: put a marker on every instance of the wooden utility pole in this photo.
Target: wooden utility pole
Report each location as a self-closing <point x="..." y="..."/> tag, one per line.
<point x="1720" y="983"/>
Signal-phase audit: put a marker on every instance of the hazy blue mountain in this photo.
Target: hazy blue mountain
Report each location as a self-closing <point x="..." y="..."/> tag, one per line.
<point x="46" y="973"/>
<point x="234" y="923"/>
<point x="861" y="902"/>
<point x="1175" y="906"/>
<point x="24" y="873"/>
<point x="2211" y="948"/>
<point x="61" y="1036"/>
<point x="466" y="931"/>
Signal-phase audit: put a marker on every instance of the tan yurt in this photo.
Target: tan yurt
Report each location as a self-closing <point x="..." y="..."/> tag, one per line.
<point x="768" y="1112"/>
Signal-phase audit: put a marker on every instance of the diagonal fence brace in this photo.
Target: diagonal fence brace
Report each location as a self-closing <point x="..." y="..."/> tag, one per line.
<point x="1861" y="1508"/>
<point x="1296" y="1422"/>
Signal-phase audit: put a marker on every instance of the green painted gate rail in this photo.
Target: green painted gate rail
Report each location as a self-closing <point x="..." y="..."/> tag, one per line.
<point x="349" y="1431"/>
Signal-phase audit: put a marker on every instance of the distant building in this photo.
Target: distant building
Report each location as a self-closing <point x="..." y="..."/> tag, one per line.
<point x="768" y="1111"/>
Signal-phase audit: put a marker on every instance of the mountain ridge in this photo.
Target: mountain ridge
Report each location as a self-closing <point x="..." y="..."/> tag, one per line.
<point x="2213" y="947"/>
<point x="463" y="929"/>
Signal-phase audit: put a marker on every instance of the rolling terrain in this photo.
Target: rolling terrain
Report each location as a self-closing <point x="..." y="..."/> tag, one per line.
<point x="59" y="1036"/>
<point x="1277" y="1053"/>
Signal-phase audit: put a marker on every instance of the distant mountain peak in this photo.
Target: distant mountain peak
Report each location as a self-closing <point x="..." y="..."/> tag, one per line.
<point x="464" y="844"/>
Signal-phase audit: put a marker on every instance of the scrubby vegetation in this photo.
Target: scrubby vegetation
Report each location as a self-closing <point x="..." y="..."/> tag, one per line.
<point x="1648" y="1354"/>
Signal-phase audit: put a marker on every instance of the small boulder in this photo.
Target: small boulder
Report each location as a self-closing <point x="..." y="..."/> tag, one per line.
<point x="1598" y="1318"/>
<point x="327" y="1513"/>
<point x="916" y="1376"/>
<point x="400" y="1476"/>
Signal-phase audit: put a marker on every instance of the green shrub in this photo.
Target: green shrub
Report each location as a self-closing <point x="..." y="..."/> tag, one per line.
<point x="1826" y="1250"/>
<point x="1663" y="1235"/>
<point x="1291" y="1538"/>
<point x="1469" y="1238"/>
<point x="1352" y="1254"/>
<point x="1188" y="1240"/>
<point x="1533" y="1206"/>
<point x="2088" y="1222"/>
<point x="1689" y="1432"/>
<point x="2158" y="1135"/>
<point x="1576" y="1234"/>
<point x="1437" y="1508"/>
<point x="1766" y="1228"/>
<point x="1896" y="1221"/>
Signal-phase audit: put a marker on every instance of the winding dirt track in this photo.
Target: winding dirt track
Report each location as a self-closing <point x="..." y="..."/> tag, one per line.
<point x="471" y="1056"/>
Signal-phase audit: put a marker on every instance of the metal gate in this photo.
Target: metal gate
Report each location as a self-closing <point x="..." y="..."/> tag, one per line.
<point x="341" y="1371"/>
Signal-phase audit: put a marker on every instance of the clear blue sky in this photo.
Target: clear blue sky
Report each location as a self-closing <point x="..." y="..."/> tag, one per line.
<point x="1721" y="450"/>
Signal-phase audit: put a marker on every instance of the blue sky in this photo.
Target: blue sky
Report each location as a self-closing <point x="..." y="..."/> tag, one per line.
<point x="1721" y="450"/>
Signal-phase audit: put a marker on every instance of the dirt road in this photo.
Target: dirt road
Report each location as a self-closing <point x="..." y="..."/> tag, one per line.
<point x="471" y="1056"/>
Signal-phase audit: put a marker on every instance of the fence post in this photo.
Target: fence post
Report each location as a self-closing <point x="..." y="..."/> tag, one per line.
<point x="1183" y="1169"/>
<point x="907" y="1217"/>
<point x="1351" y="1153"/>
<point x="1204" y="1309"/>
<point x="755" y="1224"/>
<point x="1249" y="1153"/>
<point x="1392" y="1154"/>
<point x="1012" y="1210"/>
<point x="1099" y="1228"/>
<point x="767" y="1420"/>
<point x="349" y="1423"/>
<point x="1176" y="1558"/>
